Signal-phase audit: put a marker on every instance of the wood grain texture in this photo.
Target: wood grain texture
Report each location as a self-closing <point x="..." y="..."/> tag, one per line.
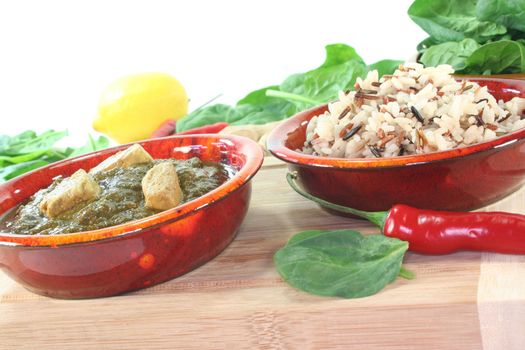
<point x="238" y="301"/>
<point x="501" y="291"/>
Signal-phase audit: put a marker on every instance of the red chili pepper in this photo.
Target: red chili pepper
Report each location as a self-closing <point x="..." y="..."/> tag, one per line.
<point x="441" y="232"/>
<point x="165" y="129"/>
<point x="169" y="127"/>
<point x="206" y="129"/>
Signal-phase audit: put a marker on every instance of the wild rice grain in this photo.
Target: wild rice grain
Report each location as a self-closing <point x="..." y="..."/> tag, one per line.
<point x="375" y="151"/>
<point x="351" y="133"/>
<point x="417" y="115"/>
<point x="344" y="130"/>
<point x="479" y="120"/>
<point x="344" y="112"/>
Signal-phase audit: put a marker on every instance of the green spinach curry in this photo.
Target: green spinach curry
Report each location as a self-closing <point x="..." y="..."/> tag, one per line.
<point x="120" y="198"/>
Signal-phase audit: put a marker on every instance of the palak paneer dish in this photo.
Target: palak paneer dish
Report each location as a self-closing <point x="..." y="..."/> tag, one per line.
<point x="127" y="186"/>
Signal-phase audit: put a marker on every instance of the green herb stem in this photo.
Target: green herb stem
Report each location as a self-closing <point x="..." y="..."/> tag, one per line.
<point x="406" y="274"/>
<point x="92" y="143"/>
<point x="377" y="218"/>
<point x="291" y="97"/>
<point x="206" y="103"/>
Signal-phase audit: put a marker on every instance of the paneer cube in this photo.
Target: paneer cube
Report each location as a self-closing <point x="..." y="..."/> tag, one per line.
<point x="133" y="155"/>
<point x="161" y="187"/>
<point x="79" y="187"/>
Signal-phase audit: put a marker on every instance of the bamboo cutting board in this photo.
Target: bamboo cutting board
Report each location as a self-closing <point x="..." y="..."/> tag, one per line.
<point x="237" y="301"/>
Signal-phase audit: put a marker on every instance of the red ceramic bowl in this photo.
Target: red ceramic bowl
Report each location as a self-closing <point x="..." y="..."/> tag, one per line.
<point x="459" y="179"/>
<point x="140" y="253"/>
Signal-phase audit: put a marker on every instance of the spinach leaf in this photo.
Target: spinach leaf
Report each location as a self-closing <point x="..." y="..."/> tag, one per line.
<point x="92" y="145"/>
<point x="497" y="57"/>
<point x="453" y="20"/>
<point x="339" y="71"/>
<point x="13" y="170"/>
<point x="452" y="52"/>
<point x="23" y="157"/>
<point x="339" y="54"/>
<point x="255" y="108"/>
<point x="324" y="83"/>
<point x="259" y="108"/>
<point x="28" y="151"/>
<point x="384" y="66"/>
<point x="426" y="43"/>
<point x="208" y="115"/>
<point x="258" y="97"/>
<point x="340" y="263"/>
<point x="509" y="13"/>
<point x="28" y="142"/>
<point x="8" y="141"/>
<point x="474" y="36"/>
<point x="262" y="114"/>
<point x="301" y="236"/>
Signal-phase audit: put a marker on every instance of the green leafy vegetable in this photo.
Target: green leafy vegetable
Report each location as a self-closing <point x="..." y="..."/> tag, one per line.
<point x="384" y="66"/>
<point x="509" y="13"/>
<point x="453" y="20"/>
<point x="262" y="114"/>
<point x="340" y="53"/>
<point x="341" y="263"/>
<point x="474" y="36"/>
<point x="292" y="97"/>
<point x="259" y="108"/>
<point x="92" y="145"/>
<point x="11" y="171"/>
<point x="28" y="142"/>
<point x="324" y="82"/>
<point x="497" y="57"/>
<point x="258" y="97"/>
<point x="208" y="115"/>
<point x="452" y="52"/>
<point x="425" y="44"/>
<point x="339" y="71"/>
<point x="28" y="151"/>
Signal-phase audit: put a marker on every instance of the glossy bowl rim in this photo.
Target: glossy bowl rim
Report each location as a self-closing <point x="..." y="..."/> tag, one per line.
<point x="278" y="137"/>
<point x="254" y="159"/>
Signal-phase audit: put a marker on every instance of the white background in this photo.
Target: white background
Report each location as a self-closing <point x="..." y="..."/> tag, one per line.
<point x="57" y="56"/>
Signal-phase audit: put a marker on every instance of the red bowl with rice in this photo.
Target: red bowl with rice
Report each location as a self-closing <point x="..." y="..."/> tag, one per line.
<point x="460" y="179"/>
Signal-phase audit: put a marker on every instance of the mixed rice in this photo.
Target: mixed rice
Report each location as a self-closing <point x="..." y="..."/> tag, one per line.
<point x="415" y="110"/>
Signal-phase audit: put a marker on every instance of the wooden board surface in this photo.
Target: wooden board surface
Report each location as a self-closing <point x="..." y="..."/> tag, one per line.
<point x="462" y="301"/>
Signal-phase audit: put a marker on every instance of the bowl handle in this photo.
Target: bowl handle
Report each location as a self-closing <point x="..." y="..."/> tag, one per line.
<point x="377" y="218"/>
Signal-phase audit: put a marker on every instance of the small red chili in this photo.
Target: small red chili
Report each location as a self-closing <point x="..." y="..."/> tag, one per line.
<point x="168" y="128"/>
<point x="206" y="129"/>
<point x="441" y="232"/>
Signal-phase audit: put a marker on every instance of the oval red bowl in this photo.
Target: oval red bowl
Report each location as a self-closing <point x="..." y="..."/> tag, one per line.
<point x="459" y="179"/>
<point x="140" y="253"/>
